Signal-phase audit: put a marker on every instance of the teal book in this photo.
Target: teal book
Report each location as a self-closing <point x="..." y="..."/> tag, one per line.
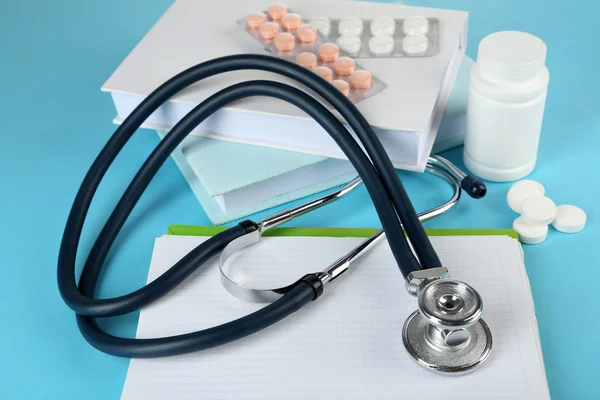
<point x="238" y="175"/>
<point x="208" y="181"/>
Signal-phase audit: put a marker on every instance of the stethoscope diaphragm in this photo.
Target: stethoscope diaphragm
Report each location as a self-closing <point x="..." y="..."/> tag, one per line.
<point x="446" y="334"/>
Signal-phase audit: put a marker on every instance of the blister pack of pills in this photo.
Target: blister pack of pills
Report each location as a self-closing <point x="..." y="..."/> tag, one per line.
<point x="265" y="25"/>
<point x="381" y="37"/>
<point x="288" y="36"/>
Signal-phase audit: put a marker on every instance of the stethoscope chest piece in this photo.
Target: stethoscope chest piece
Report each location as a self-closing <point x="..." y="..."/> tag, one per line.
<point x="446" y="334"/>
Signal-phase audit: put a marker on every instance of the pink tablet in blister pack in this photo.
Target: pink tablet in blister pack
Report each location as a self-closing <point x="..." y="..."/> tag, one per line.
<point x="287" y="35"/>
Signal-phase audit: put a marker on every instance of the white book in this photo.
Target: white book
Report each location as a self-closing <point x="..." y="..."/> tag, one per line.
<point x="233" y="180"/>
<point x="406" y="115"/>
<point x="346" y="345"/>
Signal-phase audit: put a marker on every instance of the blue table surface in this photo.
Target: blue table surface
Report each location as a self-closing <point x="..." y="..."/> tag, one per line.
<point x="55" y="55"/>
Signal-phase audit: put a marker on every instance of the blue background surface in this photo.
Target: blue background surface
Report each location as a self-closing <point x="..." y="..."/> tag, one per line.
<point x="55" y="55"/>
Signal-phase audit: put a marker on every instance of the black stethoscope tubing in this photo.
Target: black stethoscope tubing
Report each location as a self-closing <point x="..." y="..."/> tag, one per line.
<point x="389" y="197"/>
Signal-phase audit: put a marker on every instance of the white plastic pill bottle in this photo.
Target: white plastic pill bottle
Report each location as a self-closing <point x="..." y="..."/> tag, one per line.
<point x="507" y="95"/>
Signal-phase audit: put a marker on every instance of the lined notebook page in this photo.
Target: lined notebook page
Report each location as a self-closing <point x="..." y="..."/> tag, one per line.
<point x="347" y="344"/>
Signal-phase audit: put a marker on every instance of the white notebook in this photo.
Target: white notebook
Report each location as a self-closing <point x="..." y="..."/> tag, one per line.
<point x="406" y="115"/>
<point x="347" y="344"/>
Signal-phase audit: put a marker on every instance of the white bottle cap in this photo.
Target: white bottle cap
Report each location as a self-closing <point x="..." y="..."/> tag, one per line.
<point x="569" y="219"/>
<point x="530" y="234"/>
<point x="538" y="210"/>
<point x="520" y="191"/>
<point x="511" y="55"/>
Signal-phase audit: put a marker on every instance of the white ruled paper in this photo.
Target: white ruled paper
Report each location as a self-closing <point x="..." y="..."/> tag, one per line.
<point x="346" y="345"/>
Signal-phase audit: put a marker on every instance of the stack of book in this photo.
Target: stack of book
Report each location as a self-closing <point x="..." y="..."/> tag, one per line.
<point x="260" y="153"/>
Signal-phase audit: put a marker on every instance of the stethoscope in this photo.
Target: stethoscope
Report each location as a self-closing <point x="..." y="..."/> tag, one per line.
<point x="446" y="334"/>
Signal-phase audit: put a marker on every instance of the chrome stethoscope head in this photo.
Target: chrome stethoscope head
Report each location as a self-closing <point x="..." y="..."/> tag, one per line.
<point x="446" y="334"/>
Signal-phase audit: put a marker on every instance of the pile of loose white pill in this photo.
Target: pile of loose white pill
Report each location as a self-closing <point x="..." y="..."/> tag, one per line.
<point x="537" y="211"/>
